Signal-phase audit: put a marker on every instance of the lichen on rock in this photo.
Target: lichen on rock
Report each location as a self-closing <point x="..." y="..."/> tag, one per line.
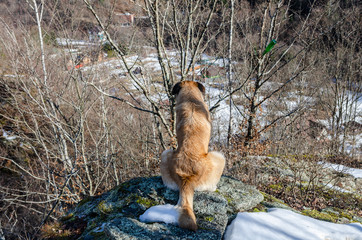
<point x="115" y="214"/>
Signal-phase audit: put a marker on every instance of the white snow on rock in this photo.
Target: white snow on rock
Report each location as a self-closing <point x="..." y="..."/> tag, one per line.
<point x="161" y="213"/>
<point x="281" y="224"/>
<point x="276" y="224"/>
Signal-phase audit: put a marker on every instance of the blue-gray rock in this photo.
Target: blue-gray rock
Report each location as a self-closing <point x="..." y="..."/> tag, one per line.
<point x="115" y="214"/>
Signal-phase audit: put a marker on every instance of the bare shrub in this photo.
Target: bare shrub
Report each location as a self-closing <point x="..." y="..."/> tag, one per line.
<point x="70" y="140"/>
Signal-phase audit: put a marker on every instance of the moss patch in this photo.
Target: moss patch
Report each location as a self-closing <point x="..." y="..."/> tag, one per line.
<point x="270" y="198"/>
<point x="258" y="208"/>
<point x="320" y="215"/>
<point x="276" y="187"/>
<point x="209" y="218"/>
<point x="105" y="207"/>
<point x="346" y="215"/>
<point x="226" y="196"/>
<point x="146" y="202"/>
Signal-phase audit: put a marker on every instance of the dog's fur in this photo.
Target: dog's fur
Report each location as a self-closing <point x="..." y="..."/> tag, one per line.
<point x="191" y="167"/>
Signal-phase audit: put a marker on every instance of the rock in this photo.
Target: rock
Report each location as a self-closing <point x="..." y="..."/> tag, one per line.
<point x="115" y="214"/>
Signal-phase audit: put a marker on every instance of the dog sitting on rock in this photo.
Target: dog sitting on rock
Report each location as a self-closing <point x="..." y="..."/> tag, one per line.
<point x="191" y="166"/>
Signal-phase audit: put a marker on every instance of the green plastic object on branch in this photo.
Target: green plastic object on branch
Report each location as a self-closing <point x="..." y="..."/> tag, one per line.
<point x="269" y="47"/>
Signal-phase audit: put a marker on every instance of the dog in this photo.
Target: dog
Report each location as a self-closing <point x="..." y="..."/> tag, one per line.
<point x="191" y="166"/>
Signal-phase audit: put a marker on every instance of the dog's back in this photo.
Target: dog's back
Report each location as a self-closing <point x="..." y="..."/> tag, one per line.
<point x="193" y="125"/>
<point x="191" y="166"/>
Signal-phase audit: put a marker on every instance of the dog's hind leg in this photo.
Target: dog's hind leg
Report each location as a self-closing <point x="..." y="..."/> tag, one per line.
<point x="166" y="158"/>
<point x="210" y="179"/>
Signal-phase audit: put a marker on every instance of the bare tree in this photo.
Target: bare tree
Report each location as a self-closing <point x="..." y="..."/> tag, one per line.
<point x="342" y="89"/>
<point x="188" y="38"/>
<point x="69" y="140"/>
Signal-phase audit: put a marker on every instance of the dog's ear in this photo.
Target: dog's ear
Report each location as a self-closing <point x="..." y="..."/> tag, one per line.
<point x="201" y="87"/>
<point x="176" y="89"/>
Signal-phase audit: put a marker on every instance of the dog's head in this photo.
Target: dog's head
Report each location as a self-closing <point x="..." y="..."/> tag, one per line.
<point x="187" y="84"/>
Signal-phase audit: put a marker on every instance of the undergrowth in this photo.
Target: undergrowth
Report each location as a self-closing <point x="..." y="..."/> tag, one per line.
<point x="299" y="182"/>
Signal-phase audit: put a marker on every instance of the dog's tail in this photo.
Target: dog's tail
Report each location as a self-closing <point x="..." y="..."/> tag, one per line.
<point x="187" y="217"/>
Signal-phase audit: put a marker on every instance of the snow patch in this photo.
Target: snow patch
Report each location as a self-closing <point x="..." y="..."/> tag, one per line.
<point x="72" y="42"/>
<point x="355" y="172"/>
<point x="7" y="136"/>
<point x="276" y="224"/>
<point x="331" y="186"/>
<point x="281" y="224"/>
<point x="161" y="213"/>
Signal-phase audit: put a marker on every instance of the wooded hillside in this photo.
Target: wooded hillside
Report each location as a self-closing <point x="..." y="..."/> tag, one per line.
<point x="86" y="103"/>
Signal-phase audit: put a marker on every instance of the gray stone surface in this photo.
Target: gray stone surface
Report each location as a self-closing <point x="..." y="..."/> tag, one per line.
<point x="115" y="214"/>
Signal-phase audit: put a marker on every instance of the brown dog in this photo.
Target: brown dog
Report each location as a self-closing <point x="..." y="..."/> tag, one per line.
<point x="191" y="167"/>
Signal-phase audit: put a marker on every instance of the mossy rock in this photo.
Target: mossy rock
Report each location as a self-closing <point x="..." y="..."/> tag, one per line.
<point x="146" y="202"/>
<point x="117" y="211"/>
<point x="259" y="208"/>
<point x="341" y="215"/>
<point x="273" y="202"/>
<point x="320" y="215"/>
<point x="240" y="197"/>
<point x="209" y="218"/>
<point x="105" y="207"/>
<point x="271" y="199"/>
